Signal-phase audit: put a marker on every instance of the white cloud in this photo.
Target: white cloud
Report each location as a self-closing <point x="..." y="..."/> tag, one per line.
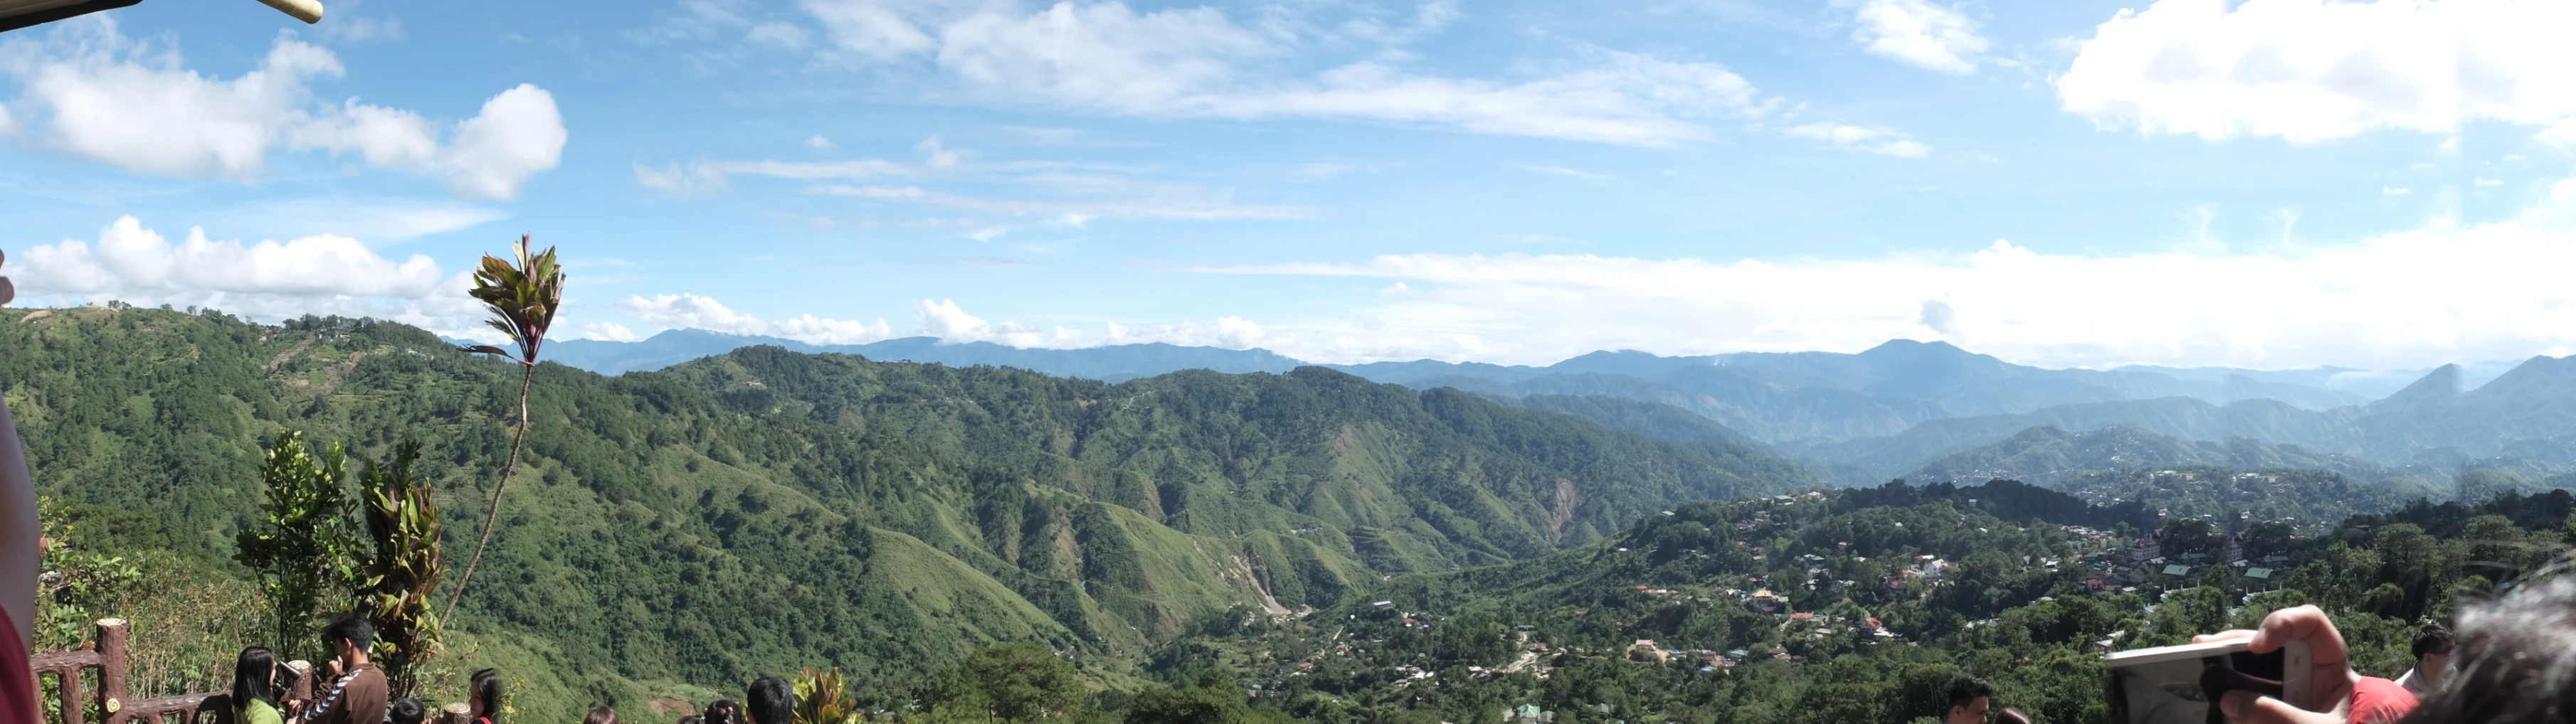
<point x="2395" y="191"/>
<point x="819" y="143"/>
<point x="319" y="274"/>
<point x="1921" y="33"/>
<point x="943" y="319"/>
<point x="2309" y="70"/>
<point x="2490" y="182"/>
<point x="372" y="219"/>
<point x="700" y="177"/>
<point x="518" y="134"/>
<point x="90" y="91"/>
<point x="1198" y="63"/>
<point x="2406" y="299"/>
<point x="608" y="332"/>
<point x="1868" y="139"/>
<point x="1574" y="173"/>
<point x="690" y="311"/>
<point x="1071" y="211"/>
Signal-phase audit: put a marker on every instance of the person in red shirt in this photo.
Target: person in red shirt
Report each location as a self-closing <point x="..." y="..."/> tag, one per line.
<point x="2348" y="696"/>
<point x="21" y="549"/>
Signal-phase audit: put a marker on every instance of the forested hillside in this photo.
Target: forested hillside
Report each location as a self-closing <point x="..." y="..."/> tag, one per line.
<point x="768" y="510"/>
<point x="1858" y="605"/>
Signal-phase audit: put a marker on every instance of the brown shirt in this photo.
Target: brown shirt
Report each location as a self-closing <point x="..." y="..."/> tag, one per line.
<point x="357" y="698"/>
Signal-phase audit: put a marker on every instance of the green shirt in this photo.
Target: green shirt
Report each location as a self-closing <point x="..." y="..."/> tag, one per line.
<point x="259" y="712"/>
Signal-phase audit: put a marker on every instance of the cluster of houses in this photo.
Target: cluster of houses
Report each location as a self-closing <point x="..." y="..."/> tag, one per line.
<point x="2121" y="569"/>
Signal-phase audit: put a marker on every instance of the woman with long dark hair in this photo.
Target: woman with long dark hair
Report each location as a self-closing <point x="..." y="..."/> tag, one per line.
<point x="255" y="687"/>
<point x="483" y="698"/>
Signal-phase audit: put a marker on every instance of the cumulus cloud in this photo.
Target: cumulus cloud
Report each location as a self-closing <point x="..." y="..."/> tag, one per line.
<point x="90" y="91"/>
<point x="1199" y="63"/>
<point x="2438" y="294"/>
<point x="1866" y="139"/>
<point x="1921" y="33"/>
<point x="2309" y="70"/>
<point x="518" y="134"/>
<point x="319" y="274"/>
<point x="690" y="311"/>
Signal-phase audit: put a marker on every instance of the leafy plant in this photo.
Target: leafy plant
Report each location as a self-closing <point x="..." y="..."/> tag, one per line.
<point x="823" y="698"/>
<point x="402" y="521"/>
<point x="70" y="583"/>
<point x="302" y="548"/>
<point x="523" y="298"/>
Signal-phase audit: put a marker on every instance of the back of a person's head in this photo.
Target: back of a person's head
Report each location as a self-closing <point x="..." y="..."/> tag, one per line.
<point x="352" y="627"/>
<point x="2516" y="661"/>
<point x="485" y="688"/>
<point x="251" y="677"/>
<point x="2012" y="716"/>
<point x="405" y="710"/>
<point x="1965" y="690"/>
<point x="693" y="719"/>
<point x="601" y="714"/>
<point x="772" y="701"/>
<point x="2432" y="638"/>
<point x="724" y="711"/>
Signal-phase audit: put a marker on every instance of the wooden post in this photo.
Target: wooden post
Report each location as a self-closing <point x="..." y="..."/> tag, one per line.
<point x="111" y="668"/>
<point x="74" y="710"/>
<point x="453" y="713"/>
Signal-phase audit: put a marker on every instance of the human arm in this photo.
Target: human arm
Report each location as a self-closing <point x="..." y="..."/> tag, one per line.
<point x="2331" y="677"/>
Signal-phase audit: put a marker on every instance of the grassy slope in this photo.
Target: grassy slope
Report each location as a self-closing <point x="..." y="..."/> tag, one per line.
<point x="672" y="532"/>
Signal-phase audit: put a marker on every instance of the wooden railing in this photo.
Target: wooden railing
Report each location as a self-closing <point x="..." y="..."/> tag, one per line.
<point x="108" y="655"/>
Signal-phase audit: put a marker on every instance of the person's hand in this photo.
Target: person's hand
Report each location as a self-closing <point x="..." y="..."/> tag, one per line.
<point x="2330" y="674"/>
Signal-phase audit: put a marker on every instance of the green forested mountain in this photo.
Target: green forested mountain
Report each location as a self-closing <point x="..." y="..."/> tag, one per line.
<point x="767" y="510"/>
<point x="2044" y="455"/>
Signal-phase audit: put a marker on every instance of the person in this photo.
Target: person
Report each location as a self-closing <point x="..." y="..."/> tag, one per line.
<point x="21" y="552"/>
<point x="773" y="701"/>
<point x="601" y="714"/>
<point x="359" y="694"/>
<point x="2432" y="648"/>
<point x="724" y="711"/>
<point x="693" y="719"/>
<point x="255" y="687"/>
<point x="483" y="697"/>
<point x="2516" y="661"/>
<point x="1969" y="698"/>
<point x="2347" y="696"/>
<point x="2012" y="716"/>
<point x="405" y="710"/>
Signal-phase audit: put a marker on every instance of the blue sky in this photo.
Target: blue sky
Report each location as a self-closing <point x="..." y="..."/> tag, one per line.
<point x="2268" y="183"/>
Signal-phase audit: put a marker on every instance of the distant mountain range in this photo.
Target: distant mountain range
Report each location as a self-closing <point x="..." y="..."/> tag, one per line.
<point x="1903" y="407"/>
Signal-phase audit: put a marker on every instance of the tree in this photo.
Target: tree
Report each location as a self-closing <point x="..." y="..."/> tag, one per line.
<point x="1213" y="699"/>
<point x="303" y="547"/>
<point x="1014" y="682"/>
<point x="523" y="299"/>
<point x="402" y="521"/>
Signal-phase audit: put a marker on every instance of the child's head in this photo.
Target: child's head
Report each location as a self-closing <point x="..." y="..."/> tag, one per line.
<point x="406" y="710"/>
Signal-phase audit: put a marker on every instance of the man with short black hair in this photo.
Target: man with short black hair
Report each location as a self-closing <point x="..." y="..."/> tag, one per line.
<point x="357" y="693"/>
<point x="773" y="701"/>
<point x="1970" y="697"/>
<point x="2433" y="646"/>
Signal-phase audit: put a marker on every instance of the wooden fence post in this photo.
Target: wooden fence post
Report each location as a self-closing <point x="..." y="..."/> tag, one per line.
<point x="453" y="713"/>
<point x="111" y="668"/>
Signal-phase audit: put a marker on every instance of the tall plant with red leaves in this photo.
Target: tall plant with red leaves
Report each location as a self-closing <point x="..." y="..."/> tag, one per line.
<point x="523" y="298"/>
